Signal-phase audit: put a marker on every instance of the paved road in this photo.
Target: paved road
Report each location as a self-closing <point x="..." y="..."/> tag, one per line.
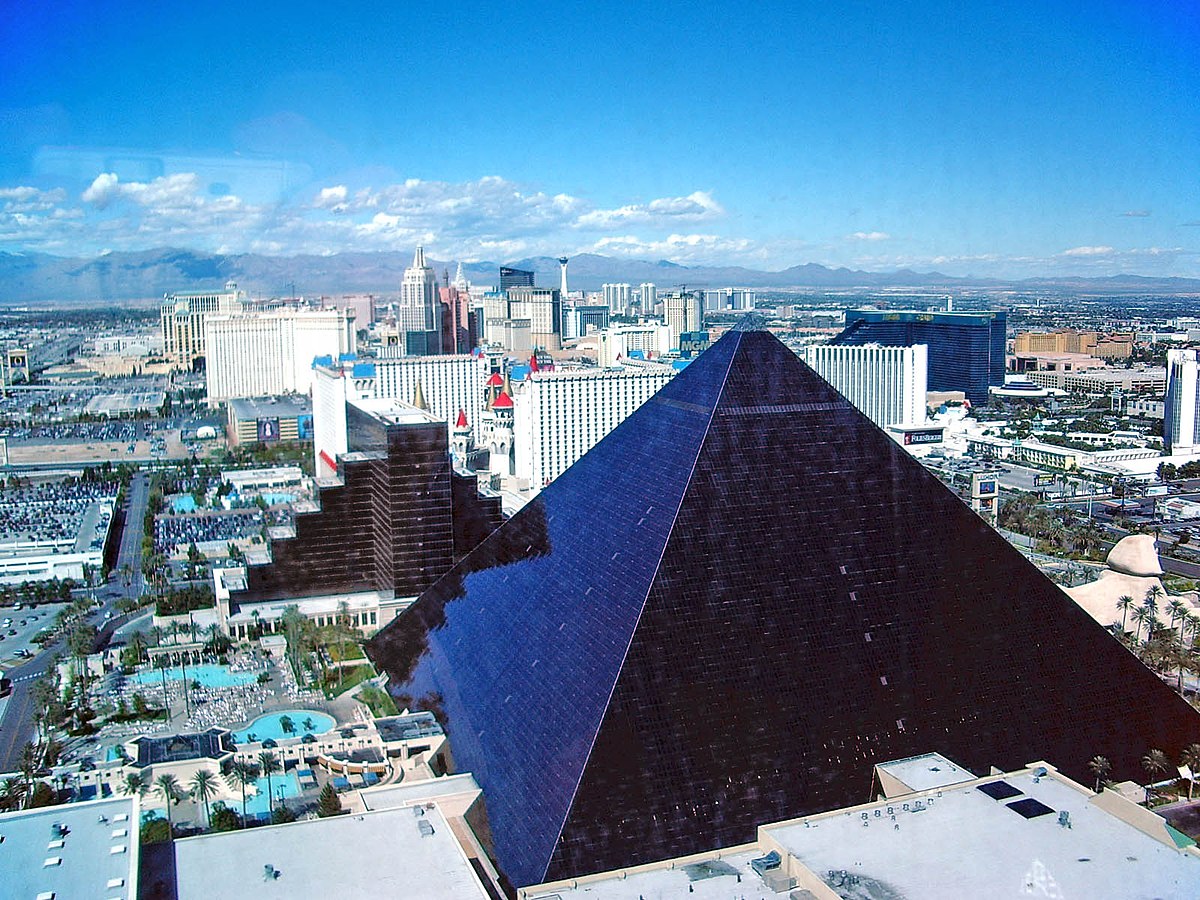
<point x="16" y="727"/>
<point x="130" y="551"/>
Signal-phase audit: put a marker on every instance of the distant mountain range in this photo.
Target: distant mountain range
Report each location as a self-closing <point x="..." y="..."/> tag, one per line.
<point x="145" y="276"/>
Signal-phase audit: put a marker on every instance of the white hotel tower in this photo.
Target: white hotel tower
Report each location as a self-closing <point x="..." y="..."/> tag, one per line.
<point x="1181" y="412"/>
<point x="887" y="384"/>
<point x="420" y="307"/>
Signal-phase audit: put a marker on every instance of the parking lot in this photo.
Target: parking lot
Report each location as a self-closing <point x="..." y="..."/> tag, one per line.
<point x="23" y="624"/>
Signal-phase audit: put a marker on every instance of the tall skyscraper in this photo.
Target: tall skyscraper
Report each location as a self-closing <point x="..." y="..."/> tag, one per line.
<point x="617" y="297"/>
<point x="647" y="297"/>
<point x="267" y="353"/>
<point x="510" y="278"/>
<point x="966" y="350"/>
<point x="886" y="384"/>
<point x="682" y="311"/>
<point x="182" y="316"/>
<point x="562" y="287"/>
<point x="420" y="308"/>
<point x="542" y="307"/>
<point x="645" y="662"/>
<point x="1181" y="412"/>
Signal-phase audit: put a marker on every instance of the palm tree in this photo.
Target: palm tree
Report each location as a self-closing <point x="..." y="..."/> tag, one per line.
<point x="11" y="793"/>
<point x="1178" y="609"/>
<point x="1124" y="604"/>
<point x="269" y="763"/>
<point x="133" y="785"/>
<point x="204" y="786"/>
<point x="243" y="773"/>
<point x="28" y="765"/>
<point x="137" y="645"/>
<point x="1153" y="595"/>
<point x="1100" y="767"/>
<point x="168" y="785"/>
<point x="1190" y="757"/>
<point x="1141" y="615"/>
<point x="1155" y="762"/>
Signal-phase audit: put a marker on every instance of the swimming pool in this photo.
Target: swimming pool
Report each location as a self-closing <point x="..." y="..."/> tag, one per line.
<point x="209" y="675"/>
<point x="275" y="498"/>
<point x="183" y="504"/>
<point x="304" y="721"/>
<point x="282" y="785"/>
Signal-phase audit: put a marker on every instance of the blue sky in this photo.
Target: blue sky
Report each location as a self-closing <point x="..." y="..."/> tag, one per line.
<point x="970" y="138"/>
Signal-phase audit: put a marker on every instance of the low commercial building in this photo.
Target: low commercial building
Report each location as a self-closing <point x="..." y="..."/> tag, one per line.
<point x="384" y="853"/>
<point x="267" y="420"/>
<point x="937" y="830"/>
<point x="78" y="850"/>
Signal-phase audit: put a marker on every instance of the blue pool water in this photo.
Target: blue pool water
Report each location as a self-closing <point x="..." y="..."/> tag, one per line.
<point x="284" y="785"/>
<point x="208" y="675"/>
<point x="269" y="726"/>
<point x="273" y="498"/>
<point x="184" y="504"/>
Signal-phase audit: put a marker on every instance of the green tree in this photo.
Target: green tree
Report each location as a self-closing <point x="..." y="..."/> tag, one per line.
<point x="1190" y="757"/>
<point x="28" y="764"/>
<point x="12" y="792"/>
<point x="293" y="631"/>
<point x="1100" y="767"/>
<point x="281" y="815"/>
<point x="223" y="818"/>
<point x="1155" y="762"/>
<point x="134" y="785"/>
<point x="168" y="786"/>
<point x="1124" y="604"/>
<point x="268" y="762"/>
<point x="286" y="725"/>
<point x="329" y="804"/>
<point x="203" y="787"/>
<point x="155" y="829"/>
<point x="243" y="773"/>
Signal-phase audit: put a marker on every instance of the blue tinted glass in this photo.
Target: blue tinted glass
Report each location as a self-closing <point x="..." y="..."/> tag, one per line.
<point x="714" y="621"/>
<point x="519" y="647"/>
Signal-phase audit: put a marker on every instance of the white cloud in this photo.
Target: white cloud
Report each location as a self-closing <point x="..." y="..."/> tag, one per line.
<point x="698" y="206"/>
<point x="1135" y="214"/>
<point x="694" y="248"/>
<point x="332" y="198"/>
<point x="1088" y="251"/>
<point x="30" y="199"/>
<point x="868" y="236"/>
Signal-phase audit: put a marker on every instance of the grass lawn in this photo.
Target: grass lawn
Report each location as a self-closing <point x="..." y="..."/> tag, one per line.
<point x="379" y="700"/>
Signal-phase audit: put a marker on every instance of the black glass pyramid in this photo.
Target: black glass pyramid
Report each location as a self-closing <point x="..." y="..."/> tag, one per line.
<point x="732" y="607"/>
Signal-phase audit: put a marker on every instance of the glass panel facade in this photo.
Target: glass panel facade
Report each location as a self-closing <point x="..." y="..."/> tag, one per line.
<point x="966" y="350"/>
<point x="728" y="611"/>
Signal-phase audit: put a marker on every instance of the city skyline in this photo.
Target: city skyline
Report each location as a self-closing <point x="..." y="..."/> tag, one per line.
<point x="969" y="140"/>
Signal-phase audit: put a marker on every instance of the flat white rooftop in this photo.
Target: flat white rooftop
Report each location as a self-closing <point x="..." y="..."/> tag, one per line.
<point x="389" y="853"/>
<point x="963" y="842"/>
<point x="408" y="793"/>
<point x="926" y="772"/>
<point x="394" y="411"/>
<point x="949" y="842"/>
<point x="310" y="606"/>
<point x="97" y="856"/>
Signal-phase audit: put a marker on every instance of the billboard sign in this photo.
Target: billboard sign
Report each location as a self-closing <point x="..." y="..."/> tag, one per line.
<point x="927" y="436"/>
<point x="693" y="342"/>
<point x="304" y="427"/>
<point x="18" y="359"/>
<point x="268" y="430"/>
<point x="1043" y="480"/>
